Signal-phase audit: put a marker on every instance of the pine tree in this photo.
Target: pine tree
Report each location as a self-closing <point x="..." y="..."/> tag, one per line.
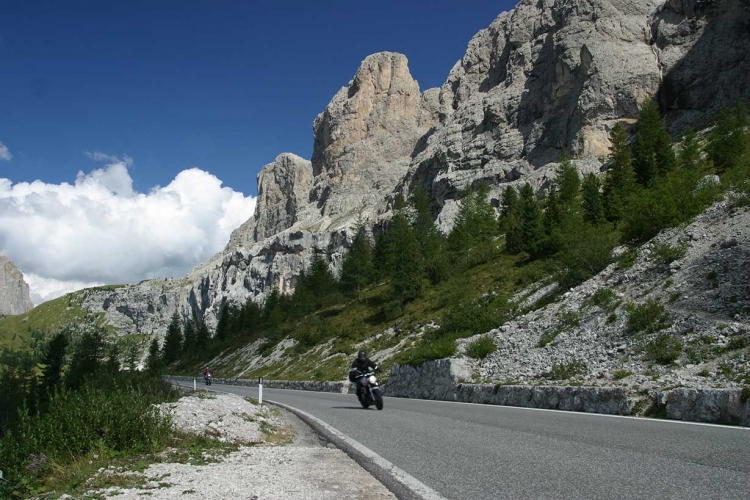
<point x="567" y="181"/>
<point x="251" y="322"/>
<point x="190" y="337"/>
<point x="153" y="361"/>
<point x="514" y="235"/>
<point x="202" y="335"/>
<point x="507" y="207"/>
<point x="690" y="150"/>
<point x="729" y="141"/>
<point x="222" y="327"/>
<point x="554" y="221"/>
<point x="619" y="182"/>
<point x="653" y="156"/>
<point x="592" y="203"/>
<point x="132" y="353"/>
<point x="382" y="253"/>
<point x="87" y="356"/>
<point x="357" y="268"/>
<point x="553" y="212"/>
<point x="475" y="224"/>
<point x="53" y="360"/>
<point x="172" y="340"/>
<point x="273" y="310"/>
<point x="532" y="223"/>
<point x="320" y="280"/>
<point x="427" y="234"/>
<point x="407" y="271"/>
<point x="112" y="365"/>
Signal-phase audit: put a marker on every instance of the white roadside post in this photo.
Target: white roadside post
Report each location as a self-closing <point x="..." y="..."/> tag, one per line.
<point x="195" y="386"/>
<point x="260" y="391"/>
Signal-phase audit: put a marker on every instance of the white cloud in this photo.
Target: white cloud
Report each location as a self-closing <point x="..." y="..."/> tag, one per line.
<point x="4" y="153"/>
<point x="99" y="156"/>
<point x="98" y="230"/>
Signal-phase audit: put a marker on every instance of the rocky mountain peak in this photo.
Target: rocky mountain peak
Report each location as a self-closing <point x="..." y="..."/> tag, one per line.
<point x="366" y="134"/>
<point x="14" y="291"/>
<point x="283" y="195"/>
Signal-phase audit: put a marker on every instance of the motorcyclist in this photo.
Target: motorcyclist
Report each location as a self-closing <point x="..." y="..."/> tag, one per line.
<point x="207" y="373"/>
<point x="361" y="365"/>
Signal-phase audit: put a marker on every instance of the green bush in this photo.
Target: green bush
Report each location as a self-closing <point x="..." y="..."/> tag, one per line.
<point x="548" y="337"/>
<point x="588" y="250"/>
<point x="314" y="333"/>
<point x="471" y="318"/>
<point x="628" y="259"/>
<point x="664" y="349"/>
<point x="671" y="200"/>
<point x="481" y="347"/>
<point x="737" y="343"/>
<point x="621" y="374"/>
<point x="570" y="319"/>
<point x="110" y="414"/>
<point x="429" y="350"/>
<point x="564" y="371"/>
<point x="666" y="254"/>
<point x="603" y="297"/>
<point x="648" y="317"/>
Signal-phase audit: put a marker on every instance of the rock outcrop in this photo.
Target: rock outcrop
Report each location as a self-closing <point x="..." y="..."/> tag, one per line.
<point x="283" y="200"/>
<point x="703" y="48"/>
<point x="365" y="136"/>
<point x="14" y="291"/>
<point x="548" y="75"/>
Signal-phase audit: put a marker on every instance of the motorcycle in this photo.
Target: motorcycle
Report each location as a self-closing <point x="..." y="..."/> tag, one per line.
<point x="207" y="378"/>
<point x="369" y="393"/>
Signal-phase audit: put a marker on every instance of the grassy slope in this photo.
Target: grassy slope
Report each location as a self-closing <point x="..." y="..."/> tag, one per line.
<point x="358" y="323"/>
<point x="15" y="331"/>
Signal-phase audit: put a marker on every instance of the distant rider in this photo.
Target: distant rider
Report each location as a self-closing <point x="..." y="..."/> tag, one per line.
<point x="360" y="366"/>
<point x="207" y="373"/>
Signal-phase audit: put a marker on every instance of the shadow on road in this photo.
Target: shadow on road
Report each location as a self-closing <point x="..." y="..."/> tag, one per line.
<point x="350" y="408"/>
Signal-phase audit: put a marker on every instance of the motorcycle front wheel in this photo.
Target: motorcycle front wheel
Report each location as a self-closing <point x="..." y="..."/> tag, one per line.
<point x="363" y="401"/>
<point x="378" y="398"/>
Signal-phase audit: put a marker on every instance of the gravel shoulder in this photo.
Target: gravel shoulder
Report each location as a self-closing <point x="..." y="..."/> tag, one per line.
<point x="280" y="458"/>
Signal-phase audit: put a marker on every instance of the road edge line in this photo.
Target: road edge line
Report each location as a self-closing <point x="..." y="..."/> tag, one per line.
<point x="399" y="482"/>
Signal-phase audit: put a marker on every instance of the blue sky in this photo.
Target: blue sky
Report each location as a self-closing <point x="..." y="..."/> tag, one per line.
<point x="178" y="105"/>
<point x="220" y="85"/>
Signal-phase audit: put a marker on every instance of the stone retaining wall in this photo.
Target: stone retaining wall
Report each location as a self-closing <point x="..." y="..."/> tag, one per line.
<point x="304" y="385"/>
<point x="718" y="406"/>
<point x="442" y="380"/>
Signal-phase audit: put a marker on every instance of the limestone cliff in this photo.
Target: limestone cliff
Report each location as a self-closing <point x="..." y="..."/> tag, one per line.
<point x="548" y="75"/>
<point x="14" y="291"/>
<point x="365" y="136"/>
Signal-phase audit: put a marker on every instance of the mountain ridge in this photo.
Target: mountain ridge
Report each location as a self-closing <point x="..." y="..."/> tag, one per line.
<point x="539" y="79"/>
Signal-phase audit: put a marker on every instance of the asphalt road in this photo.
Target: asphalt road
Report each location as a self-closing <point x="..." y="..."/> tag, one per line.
<point x="466" y="451"/>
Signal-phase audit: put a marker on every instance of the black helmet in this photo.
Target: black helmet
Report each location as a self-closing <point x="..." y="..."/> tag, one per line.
<point x="361" y="355"/>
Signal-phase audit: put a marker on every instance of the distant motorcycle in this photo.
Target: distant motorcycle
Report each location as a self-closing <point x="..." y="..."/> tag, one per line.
<point x="207" y="378"/>
<point x="370" y="393"/>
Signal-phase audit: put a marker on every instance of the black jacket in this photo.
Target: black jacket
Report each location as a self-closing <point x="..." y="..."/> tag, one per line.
<point x="363" y="365"/>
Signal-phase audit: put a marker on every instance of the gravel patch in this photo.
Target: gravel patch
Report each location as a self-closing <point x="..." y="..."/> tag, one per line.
<point x="262" y="473"/>
<point x="303" y="468"/>
<point x="222" y="416"/>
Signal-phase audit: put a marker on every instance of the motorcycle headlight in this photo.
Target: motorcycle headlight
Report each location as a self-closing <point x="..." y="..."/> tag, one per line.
<point x="372" y="379"/>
